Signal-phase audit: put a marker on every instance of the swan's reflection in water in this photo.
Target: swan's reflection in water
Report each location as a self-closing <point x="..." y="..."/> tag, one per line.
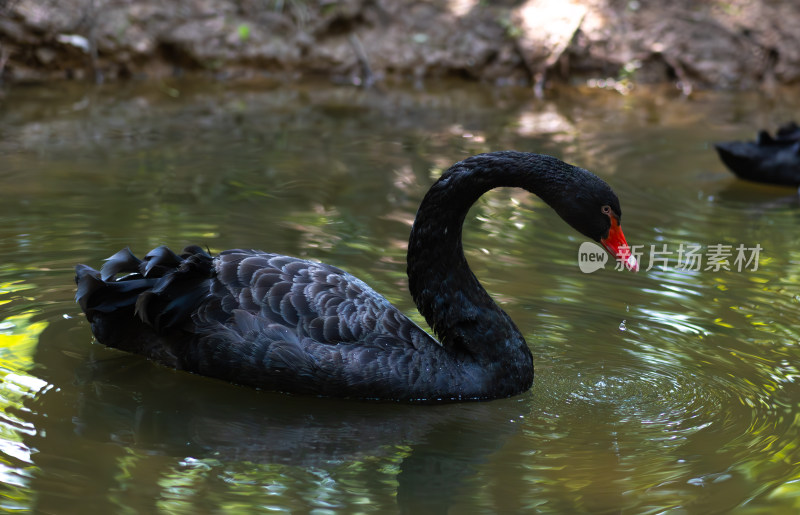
<point x="180" y="437"/>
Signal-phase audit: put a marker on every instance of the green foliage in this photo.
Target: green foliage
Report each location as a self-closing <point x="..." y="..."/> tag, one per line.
<point x="243" y="31"/>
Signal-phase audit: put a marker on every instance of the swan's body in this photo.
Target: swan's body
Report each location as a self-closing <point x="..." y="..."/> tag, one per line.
<point x="282" y="323"/>
<point x="768" y="160"/>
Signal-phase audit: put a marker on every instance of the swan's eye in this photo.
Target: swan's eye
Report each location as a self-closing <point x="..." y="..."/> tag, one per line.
<point x="606" y="210"/>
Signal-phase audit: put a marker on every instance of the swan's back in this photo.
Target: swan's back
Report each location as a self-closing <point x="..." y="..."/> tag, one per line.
<point x="264" y="320"/>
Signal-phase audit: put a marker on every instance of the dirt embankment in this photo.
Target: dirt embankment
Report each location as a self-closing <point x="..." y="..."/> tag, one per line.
<point x="714" y="44"/>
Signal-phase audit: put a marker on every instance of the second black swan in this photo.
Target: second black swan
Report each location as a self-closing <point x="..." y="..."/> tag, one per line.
<point x="772" y="160"/>
<point x="280" y="323"/>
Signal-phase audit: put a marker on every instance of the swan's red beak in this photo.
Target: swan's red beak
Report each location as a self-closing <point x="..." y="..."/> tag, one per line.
<point x="616" y="244"/>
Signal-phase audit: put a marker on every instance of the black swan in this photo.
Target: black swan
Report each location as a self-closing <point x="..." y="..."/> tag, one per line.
<point x="769" y="160"/>
<point x="286" y="324"/>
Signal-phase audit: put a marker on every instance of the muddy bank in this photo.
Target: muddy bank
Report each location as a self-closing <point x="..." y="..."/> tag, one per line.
<point x="733" y="44"/>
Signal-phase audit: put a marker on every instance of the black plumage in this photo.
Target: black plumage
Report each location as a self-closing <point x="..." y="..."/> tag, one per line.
<point x="772" y="160"/>
<point x="281" y="323"/>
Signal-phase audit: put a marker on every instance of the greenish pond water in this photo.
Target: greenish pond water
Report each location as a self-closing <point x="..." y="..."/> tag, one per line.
<point x="676" y="388"/>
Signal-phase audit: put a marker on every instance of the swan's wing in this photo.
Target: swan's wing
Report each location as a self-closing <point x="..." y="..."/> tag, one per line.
<point x="312" y="300"/>
<point x="264" y="320"/>
<point x="285" y="323"/>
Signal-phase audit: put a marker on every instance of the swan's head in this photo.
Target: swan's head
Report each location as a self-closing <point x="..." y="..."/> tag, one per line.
<point x="591" y="207"/>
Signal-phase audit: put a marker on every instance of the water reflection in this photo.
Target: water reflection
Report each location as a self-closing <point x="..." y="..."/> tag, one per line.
<point x="693" y="406"/>
<point x="176" y="435"/>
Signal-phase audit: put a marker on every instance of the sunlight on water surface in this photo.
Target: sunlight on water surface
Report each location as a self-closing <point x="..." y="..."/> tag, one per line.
<point x="672" y="388"/>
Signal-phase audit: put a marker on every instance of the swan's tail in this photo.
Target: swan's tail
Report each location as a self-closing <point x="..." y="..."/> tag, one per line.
<point x="132" y="303"/>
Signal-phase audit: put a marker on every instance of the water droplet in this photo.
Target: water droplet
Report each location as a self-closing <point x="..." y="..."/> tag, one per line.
<point x="622" y="326"/>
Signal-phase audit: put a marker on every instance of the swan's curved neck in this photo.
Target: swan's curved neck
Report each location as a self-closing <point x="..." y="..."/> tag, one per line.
<point x="446" y="292"/>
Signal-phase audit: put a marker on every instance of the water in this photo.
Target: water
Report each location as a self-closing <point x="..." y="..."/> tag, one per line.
<point x="670" y="389"/>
